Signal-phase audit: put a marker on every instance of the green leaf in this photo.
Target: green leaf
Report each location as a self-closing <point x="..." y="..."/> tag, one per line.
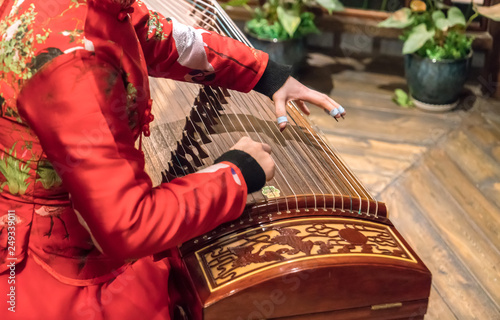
<point x="289" y="19"/>
<point x="402" y="98"/>
<point x="492" y="12"/>
<point x="440" y="20"/>
<point x="442" y="24"/>
<point x="261" y="29"/>
<point x="306" y="26"/>
<point x="456" y="17"/>
<point x="399" y="19"/>
<point x="441" y="5"/>
<point x="418" y="37"/>
<point x="436" y="15"/>
<point x="331" y="5"/>
<point x="234" y="3"/>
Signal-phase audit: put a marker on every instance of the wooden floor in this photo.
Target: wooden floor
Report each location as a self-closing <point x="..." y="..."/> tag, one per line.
<point x="438" y="173"/>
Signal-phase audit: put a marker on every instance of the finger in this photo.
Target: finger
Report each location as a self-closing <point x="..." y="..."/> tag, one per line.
<point x="271" y="169"/>
<point x="301" y="104"/>
<point x="282" y="120"/>
<point x="336" y="112"/>
<point x="266" y="147"/>
<point x="270" y="176"/>
<point x="325" y="102"/>
<point x="341" y="110"/>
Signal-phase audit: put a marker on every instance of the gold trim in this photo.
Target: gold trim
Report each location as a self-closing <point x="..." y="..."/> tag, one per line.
<point x="203" y="263"/>
<point x="387" y="306"/>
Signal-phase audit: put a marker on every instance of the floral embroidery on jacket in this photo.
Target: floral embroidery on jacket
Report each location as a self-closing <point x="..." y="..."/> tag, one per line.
<point x="16" y="48"/>
<point x="37" y="39"/>
<point x="155" y="27"/>
<point x="131" y="106"/>
<point x="15" y="172"/>
<point x="47" y="175"/>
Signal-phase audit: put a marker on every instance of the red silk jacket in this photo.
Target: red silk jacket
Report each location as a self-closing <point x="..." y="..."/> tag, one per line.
<point x="74" y="98"/>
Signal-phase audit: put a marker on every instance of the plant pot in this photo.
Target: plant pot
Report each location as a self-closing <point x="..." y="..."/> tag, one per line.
<point x="436" y="85"/>
<point x="291" y="52"/>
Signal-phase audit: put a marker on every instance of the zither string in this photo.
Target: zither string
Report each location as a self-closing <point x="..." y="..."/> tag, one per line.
<point x="248" y="134"/>
<point x="291" y="128"/>
<point x="279" y="170"/>
<point x="286" y="155"/>
<point x="236" y="32"/>
<point x="238" y="36"/>
<point x="298" y="133"/>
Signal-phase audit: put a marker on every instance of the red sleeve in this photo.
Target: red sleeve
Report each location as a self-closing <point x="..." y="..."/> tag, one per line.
<point x="70" y="106"/>
<point x="173" y="50"/>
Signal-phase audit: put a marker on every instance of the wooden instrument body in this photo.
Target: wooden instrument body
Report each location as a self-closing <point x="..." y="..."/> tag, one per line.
<point x="307" y="267"/>
<point x="315" y="245"/>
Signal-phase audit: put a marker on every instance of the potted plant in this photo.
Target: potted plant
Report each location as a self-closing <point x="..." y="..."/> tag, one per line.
<point x="437" y="51"/>
<point x="278" y="27"/>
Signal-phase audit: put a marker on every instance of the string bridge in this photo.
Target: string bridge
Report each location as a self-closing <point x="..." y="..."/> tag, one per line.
<point x="198" y="130"/>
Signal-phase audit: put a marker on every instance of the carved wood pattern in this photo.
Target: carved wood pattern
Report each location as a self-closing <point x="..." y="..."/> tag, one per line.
<point x="260" y="248"/>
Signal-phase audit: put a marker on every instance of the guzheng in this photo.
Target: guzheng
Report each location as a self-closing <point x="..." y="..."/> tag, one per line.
<point x="314" y="244"/>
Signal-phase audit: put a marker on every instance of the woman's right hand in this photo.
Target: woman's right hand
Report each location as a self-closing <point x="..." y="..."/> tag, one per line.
<point x="261" y="152"/>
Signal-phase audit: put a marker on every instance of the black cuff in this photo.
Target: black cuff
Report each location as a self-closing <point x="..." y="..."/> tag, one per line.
<point x="273" y="78"/>
<point x="253" y="173"/>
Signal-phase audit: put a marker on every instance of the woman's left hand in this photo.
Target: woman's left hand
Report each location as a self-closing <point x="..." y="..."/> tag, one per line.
<point x="296" y="91"/>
